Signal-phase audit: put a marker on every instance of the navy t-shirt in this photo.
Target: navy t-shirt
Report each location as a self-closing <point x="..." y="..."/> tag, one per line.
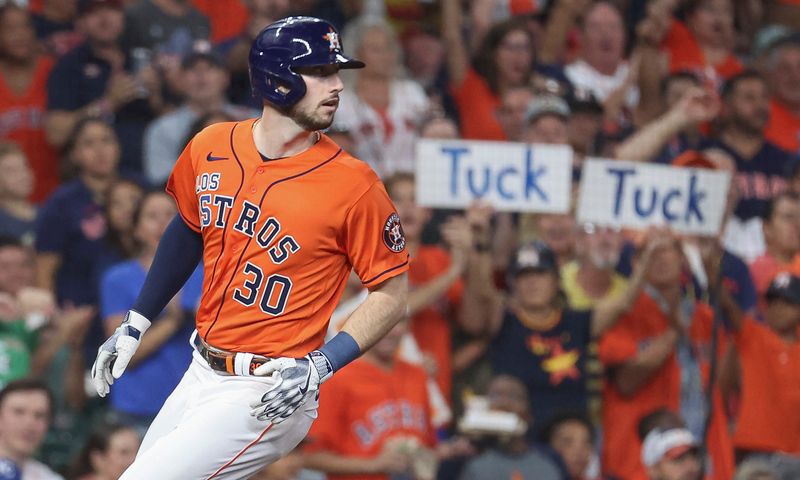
<point x="551" y="362"/>
<point x="79" y="78"/>
<point x="72" y="224"/>
<point x="737" y="280"/>
<point x="758" y="179"/>
<point x="145" y="387"/>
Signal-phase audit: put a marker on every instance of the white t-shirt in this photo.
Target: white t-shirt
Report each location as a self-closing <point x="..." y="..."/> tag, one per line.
<point x="385" y="141"/>
<point x="584" y="77"/>
<point x="33" y="470"/>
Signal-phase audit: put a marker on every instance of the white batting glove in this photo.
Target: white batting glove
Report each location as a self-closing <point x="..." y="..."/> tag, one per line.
<point x="113" y="355"/>
<point x="296" y="378"/>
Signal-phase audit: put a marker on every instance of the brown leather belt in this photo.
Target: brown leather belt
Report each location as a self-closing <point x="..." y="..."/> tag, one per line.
<point x="228" y="363"/>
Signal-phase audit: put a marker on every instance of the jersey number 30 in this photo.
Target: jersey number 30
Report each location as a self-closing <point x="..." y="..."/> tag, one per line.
<point x="274" y="294"/>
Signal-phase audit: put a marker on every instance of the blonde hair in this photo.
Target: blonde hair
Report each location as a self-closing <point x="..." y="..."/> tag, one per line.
<point x="357" y="29"/>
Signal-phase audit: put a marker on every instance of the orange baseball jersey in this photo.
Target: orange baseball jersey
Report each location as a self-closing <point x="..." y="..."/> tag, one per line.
<point x="769" y="418"/>
<point x="280" y="237"/>
<point x="621" y="413"/>
<point x="372" y="405"/>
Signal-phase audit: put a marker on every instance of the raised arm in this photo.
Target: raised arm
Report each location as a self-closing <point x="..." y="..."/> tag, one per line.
<point x="457" y="57"/>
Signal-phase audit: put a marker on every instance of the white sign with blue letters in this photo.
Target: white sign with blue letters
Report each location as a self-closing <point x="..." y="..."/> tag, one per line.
<point x="509" y="176"/>
<point x="638" y="195"/>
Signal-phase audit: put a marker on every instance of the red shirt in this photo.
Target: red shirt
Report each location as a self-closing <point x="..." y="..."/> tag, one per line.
<point x="783" y="128"/>
<point x="431" y="326"/>
<point x="477" y="109"/>
<point x="22" y="121"/>
<point x="364" y="405"/>
<point x="769" y="416"/>
<point x="685" y="53"/>
<point x="621" y="413"/>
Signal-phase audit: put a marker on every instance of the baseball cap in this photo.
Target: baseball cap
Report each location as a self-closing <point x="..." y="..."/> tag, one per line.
<point x="546" y="105"/>
<point x="693" y="159"/>
<point x="194" y="57"/>
<point x="667" y="444"/>
<point x="535" y="256"/>
<point x="786" y="287"/>
<point x="584" y="101"/>
<point x="86" y="6"/>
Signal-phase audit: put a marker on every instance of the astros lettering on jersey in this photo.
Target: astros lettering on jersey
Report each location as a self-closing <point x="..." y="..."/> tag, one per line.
<point x="280" y="237"/>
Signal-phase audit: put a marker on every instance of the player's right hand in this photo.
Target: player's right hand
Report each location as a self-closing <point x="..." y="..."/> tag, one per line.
<point x="113" y="355"/>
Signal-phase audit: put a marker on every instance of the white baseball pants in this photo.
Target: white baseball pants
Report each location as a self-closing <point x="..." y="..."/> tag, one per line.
<point x="204" y="430"/>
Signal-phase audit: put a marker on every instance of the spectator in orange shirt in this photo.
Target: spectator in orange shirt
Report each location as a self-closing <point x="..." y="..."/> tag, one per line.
<point x="781" y="226"/>
<point x="374" y="419"/>
<point x="503" y="60"/>
<point x="23" y="96"/>
<point x="783" y="74"/>
<point x="442" y="294"/>
<point x="655" y="357"/>
<point x="769" y="353"/>
<point x="706" y="40"/>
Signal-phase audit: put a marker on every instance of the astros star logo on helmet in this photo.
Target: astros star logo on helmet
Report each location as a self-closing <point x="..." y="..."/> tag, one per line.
<point x="333" y="40"/>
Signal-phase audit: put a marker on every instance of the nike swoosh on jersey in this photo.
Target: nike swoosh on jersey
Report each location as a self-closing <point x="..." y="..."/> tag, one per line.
<point x="212" y="158"/>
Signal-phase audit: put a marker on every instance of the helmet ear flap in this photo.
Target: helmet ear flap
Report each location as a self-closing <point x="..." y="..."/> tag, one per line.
<point x="280" y="90"/>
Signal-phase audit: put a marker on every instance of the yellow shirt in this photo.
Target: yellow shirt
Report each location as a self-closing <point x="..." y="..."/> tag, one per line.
<point x="577" y="298"/>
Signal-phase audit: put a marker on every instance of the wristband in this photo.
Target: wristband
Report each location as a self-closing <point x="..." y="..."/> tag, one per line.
<point x="341" y="350"/>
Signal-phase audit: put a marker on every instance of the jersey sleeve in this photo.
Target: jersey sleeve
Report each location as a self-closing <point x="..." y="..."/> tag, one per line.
<point x="180" y="186"/>
<point x="374" y="239"/>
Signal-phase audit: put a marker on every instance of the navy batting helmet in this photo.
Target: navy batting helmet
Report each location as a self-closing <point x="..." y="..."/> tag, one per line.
<point x="289" y="43"/>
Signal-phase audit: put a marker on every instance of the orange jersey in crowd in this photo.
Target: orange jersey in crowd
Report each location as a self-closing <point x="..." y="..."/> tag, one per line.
<point x="769" y="416"/>
<point x="372" y="405"/>
<point x="22" y="122"/>
<point x="228" y="19"/>
<point x="621" y="414"/>
<point x="431" y="326"/>
<point x="280" y="237"/>
<point x="686" y="54"/>
<point x="783" y="128"/>
<point x="477" y="109"/>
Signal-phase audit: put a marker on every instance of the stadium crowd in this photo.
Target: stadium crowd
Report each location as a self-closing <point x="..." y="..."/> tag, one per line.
<point x="537" y="346"/>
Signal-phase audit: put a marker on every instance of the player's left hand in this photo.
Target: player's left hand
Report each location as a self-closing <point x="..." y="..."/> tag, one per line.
<point x="296" y="378"/>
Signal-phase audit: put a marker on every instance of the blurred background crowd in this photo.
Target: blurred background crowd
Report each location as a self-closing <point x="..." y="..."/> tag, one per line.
<point x="537" y="347"/>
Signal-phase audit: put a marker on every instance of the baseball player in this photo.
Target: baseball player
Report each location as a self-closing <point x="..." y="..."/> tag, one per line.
<point x="280" y="215"/>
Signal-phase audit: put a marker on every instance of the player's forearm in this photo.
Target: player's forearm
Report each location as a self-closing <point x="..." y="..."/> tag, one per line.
<point x="384" y="307"/>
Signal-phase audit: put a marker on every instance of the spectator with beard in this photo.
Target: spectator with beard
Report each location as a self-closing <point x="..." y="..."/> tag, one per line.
<point x="760" y="165"/>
